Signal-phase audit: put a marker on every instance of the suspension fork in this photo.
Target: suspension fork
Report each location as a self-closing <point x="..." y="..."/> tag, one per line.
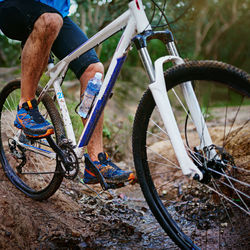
<point x="158" y="89"/>
<point x="167" y="38"/>
<point x="193" y="105"/>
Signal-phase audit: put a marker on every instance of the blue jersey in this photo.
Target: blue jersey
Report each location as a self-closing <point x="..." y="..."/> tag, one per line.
<point x="61" y="5"/>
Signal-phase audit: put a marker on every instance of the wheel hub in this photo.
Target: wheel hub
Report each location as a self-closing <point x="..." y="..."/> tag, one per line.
<point x="214" y="167"/>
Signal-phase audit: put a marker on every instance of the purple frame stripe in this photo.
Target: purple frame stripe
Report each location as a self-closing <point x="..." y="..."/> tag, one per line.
<point x="101" y="104"/>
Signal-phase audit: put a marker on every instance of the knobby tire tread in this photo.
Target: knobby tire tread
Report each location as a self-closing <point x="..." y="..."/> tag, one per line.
<point x="191" y="70"/>
<point x="59" y="133"/>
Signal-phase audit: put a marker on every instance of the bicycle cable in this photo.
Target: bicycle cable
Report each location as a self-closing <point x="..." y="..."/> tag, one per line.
<point x="162" y="15"/>
<point x="168" y="23"/>
<point x="162" y="9"/>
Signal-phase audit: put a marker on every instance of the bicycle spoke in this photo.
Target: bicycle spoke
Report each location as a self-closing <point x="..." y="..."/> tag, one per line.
<point x="236" y="131"/>
<point x="7" y="125"/>
<point x="225" y="126"/>
<point x="226" y="198"/>
<point x="238" y="109"/>
<point x="181" y="103"/>
<point x="216" y="187"/>
<point x="236" y="191"/>
<point x="241" y="169"/>
<point x="36" y="173"/>
<point x="174" y="165"/>
<point x="9" y="109"/>
<point x="193" y="155"/>
<point x="155" y="135"/>
<point x="160" y="163"/>
<point x="159" y="127"/>
<point x="241" y="182"/>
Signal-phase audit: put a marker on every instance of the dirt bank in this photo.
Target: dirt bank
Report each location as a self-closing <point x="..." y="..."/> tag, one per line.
<point x="76" y="218"/>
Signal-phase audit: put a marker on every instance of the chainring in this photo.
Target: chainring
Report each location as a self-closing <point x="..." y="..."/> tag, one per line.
<point x="70" y="168"/>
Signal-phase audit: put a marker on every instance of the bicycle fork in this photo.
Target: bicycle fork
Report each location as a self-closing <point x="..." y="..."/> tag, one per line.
<point x="159" y="92"/>
<point x="158" y="89"/>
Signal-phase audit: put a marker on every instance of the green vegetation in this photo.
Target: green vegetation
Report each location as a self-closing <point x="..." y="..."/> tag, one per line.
<point x="204" y="29"/>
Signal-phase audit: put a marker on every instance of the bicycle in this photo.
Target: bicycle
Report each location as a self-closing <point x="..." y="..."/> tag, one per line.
<point x="202" y="187"/>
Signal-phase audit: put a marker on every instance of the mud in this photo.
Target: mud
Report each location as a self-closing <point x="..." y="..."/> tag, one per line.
<point x="77" y="218"/>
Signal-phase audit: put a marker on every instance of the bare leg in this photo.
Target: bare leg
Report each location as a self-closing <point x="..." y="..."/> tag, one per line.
<point x="95" y="145"/>
<point x="36" y="52"/>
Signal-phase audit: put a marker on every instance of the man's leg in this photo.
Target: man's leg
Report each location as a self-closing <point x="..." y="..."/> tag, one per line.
<point x="95" y="145"/>
<point x="85" y="67"/>
<point x="36" y="52"/>
<point x="34" y="59"/>
<point x="109" y="170"/>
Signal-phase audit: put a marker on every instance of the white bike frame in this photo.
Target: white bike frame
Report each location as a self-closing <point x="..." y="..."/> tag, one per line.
<point x="134" y="21"/>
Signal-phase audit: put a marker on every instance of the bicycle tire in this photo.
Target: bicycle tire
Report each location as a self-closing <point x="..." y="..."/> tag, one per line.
<point x="37" y="186"/>
<point x="173" y="206"/>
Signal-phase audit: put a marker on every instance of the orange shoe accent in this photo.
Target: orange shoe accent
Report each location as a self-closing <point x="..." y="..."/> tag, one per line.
<point x="107" y="156"/>
<point x="49" y="132"/>
<point x="29" y="104"/>
<point x="20" y="121"/>
<point x="89" y="172"/>
<point x="131" y="178"/>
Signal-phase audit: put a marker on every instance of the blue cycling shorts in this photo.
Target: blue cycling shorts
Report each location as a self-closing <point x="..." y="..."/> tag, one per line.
<point x="71" y="37"/>
<point x="17" y="18"/>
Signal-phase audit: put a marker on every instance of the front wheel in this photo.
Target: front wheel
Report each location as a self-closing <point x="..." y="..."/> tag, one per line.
<point x="214" y="213"/>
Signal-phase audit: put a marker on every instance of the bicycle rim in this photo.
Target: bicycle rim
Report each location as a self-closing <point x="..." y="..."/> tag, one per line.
<point x="199" y="215"/>
<point x="29" y="164"/>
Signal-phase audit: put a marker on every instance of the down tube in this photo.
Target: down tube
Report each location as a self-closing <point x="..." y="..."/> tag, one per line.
<point x="101" y="104"/>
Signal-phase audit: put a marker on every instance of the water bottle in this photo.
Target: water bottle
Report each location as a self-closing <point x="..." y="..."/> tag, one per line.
<point x="92" y="90"/>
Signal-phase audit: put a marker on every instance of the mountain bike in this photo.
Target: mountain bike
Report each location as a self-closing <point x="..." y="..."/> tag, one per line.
<point x="190" y="137"/>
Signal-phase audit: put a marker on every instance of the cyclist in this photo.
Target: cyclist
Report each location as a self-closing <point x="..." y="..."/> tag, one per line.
<point x="43" y="26"/>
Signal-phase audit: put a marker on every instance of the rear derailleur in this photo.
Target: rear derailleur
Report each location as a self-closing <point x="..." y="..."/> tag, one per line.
<point x="18" y="153"/>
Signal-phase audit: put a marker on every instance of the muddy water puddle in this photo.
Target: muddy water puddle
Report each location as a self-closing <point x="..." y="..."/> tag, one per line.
<point x="119" y="219"/>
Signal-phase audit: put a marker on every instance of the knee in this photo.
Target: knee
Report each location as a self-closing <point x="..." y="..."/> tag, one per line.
<point x="94" y="67"/>
<point x="49" y="23"/>
<point x="89" y="73"/>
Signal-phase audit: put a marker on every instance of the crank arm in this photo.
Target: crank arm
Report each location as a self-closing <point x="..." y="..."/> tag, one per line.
<point x="96" y="171"/>
<point x="57" y="150"/>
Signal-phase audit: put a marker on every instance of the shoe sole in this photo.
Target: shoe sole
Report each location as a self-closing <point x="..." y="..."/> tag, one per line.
<point x="48" y="132"/>
<point x="130" y="180"/>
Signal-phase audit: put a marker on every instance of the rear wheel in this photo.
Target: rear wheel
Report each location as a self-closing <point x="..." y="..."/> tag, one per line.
<point x="214" y="213"/>
<point x="30" y="165"/>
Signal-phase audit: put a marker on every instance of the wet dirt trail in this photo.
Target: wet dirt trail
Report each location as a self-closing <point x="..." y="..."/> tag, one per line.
<point x="77" y="218"/>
